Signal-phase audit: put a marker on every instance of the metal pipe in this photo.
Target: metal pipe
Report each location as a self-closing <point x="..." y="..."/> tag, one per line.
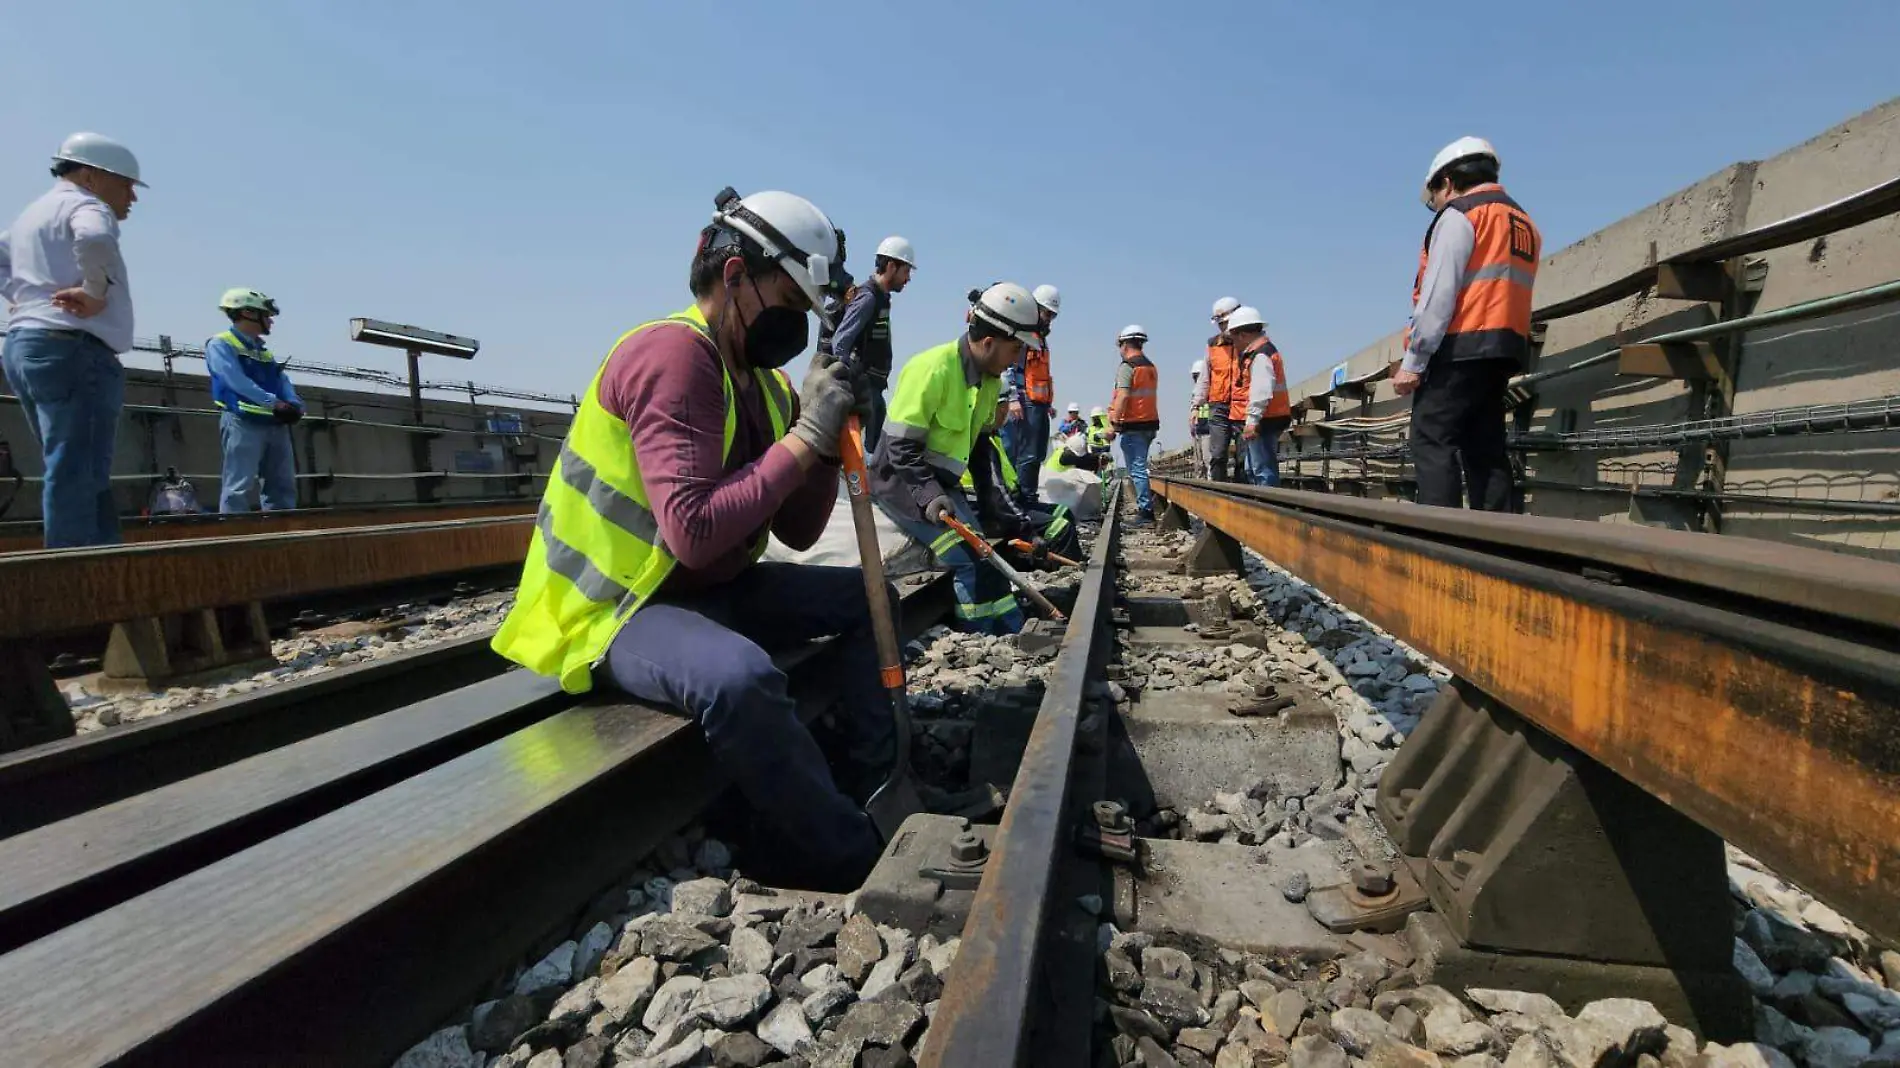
<point x="1885" y="292"/>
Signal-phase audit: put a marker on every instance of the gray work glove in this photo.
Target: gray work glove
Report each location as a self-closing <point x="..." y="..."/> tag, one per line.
<point x="938" y="507"/>
<point x="824" y="402"/>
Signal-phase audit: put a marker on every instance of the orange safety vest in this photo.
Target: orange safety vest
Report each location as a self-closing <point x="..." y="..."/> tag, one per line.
<point x="1220" y="374"/>
<point x="1138" y="404"/>
<point x="1280" y="405"/>
<point x="1494" y="298"/>
<point x="1036" y="381"/>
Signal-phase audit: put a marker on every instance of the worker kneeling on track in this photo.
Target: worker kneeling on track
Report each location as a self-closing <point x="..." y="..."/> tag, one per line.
<point x="643" y="572"/>
<point x="1001" y="507"/>
<point x="945" y="398"/>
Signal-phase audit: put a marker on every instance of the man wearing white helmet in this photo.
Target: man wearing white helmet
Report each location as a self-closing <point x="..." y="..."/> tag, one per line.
<point x="1223" y="435"/>
<point x="643" y="572"/>
<point x="64" y="278"/>
<point x="944" y="399"/>
<point x="1470" y="329"/>
<point x="863" y="338"/>
<point x="1135" y="413"/>
<point x="1071" y="422"/>
<point x="1265" y="410"/>
<point x="258" y="403"/>
<point x="1032" y="398"/>
<point x="1198" y="411"/>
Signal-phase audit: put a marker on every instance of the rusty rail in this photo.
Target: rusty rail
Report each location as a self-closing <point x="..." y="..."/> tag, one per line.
<point x="62" y="590"/>
<point x="989" y="1007"/>
<point x="1689" y="664"/>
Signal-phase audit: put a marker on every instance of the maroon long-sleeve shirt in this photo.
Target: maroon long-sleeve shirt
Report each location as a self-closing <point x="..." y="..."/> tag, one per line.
<point x="665" y="384"/>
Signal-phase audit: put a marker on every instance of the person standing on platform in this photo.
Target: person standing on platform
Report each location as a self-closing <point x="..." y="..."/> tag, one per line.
<point x="63" y="278"/>
<point x="1032" y="398"/>
<point x="1134" y="413"/>
<point x="1470" y="330"/>
<point x="863" y="337"/>
<point x="259" y="407"/>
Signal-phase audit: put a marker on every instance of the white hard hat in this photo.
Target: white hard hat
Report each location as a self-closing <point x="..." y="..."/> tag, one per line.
<point x="1050" y="298"/>
<point x="1075" y="407"/>
<point x="1225" y="306"/>
<point x="792" y="232"/>
<point x="1461" y="149"/>
<point x="1098" y="410"/>
<point x="1245" y="316"/>
<point x="1132" y="332"/>
<point x="1009" y="307"/>
<point x="247" y="300"/>
<point x="1199" y="366"/>
<point x="101" y="152"/>
<point x="896" y="248"/>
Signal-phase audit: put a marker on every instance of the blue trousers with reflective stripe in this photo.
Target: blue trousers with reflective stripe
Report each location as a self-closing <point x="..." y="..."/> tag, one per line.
<point x="257" y="454"/>
<point x="709" y="653"/>
<point x="985" y="602"/>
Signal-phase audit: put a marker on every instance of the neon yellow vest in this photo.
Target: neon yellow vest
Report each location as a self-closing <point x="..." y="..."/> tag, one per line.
<point x="596" y="554"/>
<point x="932" y="403"/>
<point x="1002" y="461"/>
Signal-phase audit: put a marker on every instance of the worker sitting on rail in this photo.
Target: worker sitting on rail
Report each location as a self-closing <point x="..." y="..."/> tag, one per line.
<point x="1001" y="508"/>
<point x="249" y="386"/>
<point x="944" y="398"/>
<point x="643" y="572"/>
<point x="1470" y="329"/>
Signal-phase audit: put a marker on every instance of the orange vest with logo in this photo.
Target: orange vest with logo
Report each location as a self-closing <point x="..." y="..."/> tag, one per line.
<point x="1494" y="298"/>
<point x="1138" y="402"/>
<point x="1036" y="381"/>
<point x="1220" y="375"/>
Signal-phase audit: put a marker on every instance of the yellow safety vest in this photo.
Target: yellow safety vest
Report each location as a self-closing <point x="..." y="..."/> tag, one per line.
<point x="596" y="554"/>
<point x="933" y="404"/>
<point x="1002" y="460"/>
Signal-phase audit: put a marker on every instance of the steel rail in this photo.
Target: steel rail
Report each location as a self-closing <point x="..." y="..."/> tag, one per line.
<point x="989" y="1006"/>
<point x="61" y="590"/>
<point x="25" y="536"/>
<point x="1688" y="699"/>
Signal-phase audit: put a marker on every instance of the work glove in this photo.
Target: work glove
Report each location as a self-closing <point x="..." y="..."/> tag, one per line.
<point x="824" y="402"/>
<point x="286" y="413"/>
<point x="938" y="507"/>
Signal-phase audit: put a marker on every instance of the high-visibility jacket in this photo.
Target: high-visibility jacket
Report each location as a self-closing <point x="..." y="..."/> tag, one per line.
<point x="596" y="554"/>
<point x="1002" y="461"/>
<point x="260" y="367"/>
<point x="1494" y="300"/>
<point x="1220" y="375"/>
<point x="1236" y="409"/>
<point x="1279" y="403"/>
<point x="933" y="403"/>
<point x="1097" y="433"/>
<point x="1138" y="407"/>
<point x="1038" y="387"/>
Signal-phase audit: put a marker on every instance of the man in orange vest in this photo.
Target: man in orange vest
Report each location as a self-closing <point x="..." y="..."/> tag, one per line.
<point x="1032" y="397"/>
<point x="1135" y="413"/>
<point x="1470" y="329"/>
<point x="1268" y="409"/>
<point x="1222" y="433"/>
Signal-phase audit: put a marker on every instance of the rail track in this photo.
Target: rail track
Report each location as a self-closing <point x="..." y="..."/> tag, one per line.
<point x="1555" y="822"/>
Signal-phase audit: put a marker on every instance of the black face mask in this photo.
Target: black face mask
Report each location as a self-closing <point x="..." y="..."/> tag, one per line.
<point x="775" y="335"/>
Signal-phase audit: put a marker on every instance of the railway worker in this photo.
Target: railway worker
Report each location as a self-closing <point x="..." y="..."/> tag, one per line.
<point x="1198" y="411"/>
<point x="1097" y="433"/>
<point x="863" y="337"/>
<point x="1071" y="422"/>
<point x="643" y="572"/>
<point x="1134" y="413"/>
<point x="945" y="397"/>
<point x="259" y="407"/>
<point x="1470" y="329"/>
<point x="1032" y="393"/>
<point x="1002" y="509"/>
<point x="1267" y="410"/>
<point x="64" y="277"/>
<point x="1222" y="434"/>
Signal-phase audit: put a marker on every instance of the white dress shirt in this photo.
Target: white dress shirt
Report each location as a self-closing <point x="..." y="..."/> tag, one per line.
<point x="66" y="238"/>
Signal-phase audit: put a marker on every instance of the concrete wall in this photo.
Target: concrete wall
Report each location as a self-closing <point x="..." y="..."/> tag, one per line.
<point x="341" y="459"/>
<point x="1854" y="356"/>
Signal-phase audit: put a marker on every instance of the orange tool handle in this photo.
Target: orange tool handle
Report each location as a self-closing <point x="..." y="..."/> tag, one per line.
<point x="975" y="540"/>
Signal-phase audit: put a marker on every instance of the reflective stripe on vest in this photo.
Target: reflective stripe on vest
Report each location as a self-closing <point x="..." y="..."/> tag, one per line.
<point x="1138" y="400"/>
<point x="596" y="554"/>
<point x="1220" y="372"/>
<point x="260" y="366"/>
<point x="1058" y="523"/>
<point x="1036" y="381"/>
<point x="1493" y="317"/>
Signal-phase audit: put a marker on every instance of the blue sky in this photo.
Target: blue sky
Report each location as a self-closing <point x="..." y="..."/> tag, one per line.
<point x="535" y="175"/>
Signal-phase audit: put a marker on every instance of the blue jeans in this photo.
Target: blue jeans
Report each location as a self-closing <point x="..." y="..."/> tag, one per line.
<point x="709" y="653"/>
<point x="985" y="602"/>
<point x="1263" y="451"/>
<point x="71" y="387"/>
<point x="1027" y="440"/>
<point x="1135" y="445"/>
<point x="254" y="446"/>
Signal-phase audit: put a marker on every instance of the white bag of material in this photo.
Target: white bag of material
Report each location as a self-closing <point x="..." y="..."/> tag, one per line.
<point x="1081" y="491"/>
<point x="838" y="545"/>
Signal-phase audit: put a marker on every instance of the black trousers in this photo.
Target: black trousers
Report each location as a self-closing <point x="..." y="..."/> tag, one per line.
<point x="1222" y="433"/>
<point x="1458" y="439"/>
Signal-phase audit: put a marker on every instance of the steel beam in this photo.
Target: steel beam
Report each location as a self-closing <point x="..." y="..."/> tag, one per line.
<point x="26" y="536"/>
<point x="1775" y="728"/>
